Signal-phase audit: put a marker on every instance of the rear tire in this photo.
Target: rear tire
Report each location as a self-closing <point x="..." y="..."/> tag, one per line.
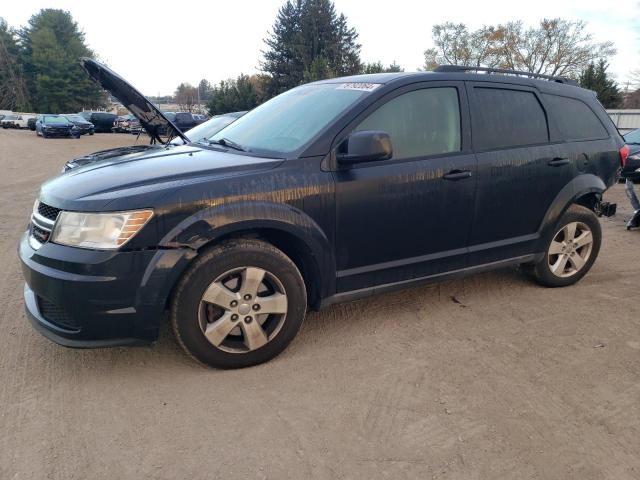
<point x="571" y="250"/>
<point x="240" y="304"/>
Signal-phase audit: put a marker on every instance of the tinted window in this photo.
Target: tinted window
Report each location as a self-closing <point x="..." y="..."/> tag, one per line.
<point x="575" y="120"/>
<point x="420" y="123"/>
<point x="507" y="118"/>
<point x="183" y="117"/>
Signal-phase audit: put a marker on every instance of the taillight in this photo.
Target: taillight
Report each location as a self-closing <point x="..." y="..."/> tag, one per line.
<point x="624" y="154"/>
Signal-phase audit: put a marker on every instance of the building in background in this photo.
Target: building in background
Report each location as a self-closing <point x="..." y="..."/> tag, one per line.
<point x="625" y="120"/>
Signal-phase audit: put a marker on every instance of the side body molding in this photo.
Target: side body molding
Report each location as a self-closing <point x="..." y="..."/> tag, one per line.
<point x="215" y="222"/>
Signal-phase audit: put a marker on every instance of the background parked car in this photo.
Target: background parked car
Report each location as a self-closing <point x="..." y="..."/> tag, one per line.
<point x="631" y="168"/>
<point x="56" y="126"/>
<point x="126" y="124"/>
<point x="31" y="123"/>
<point x="184" y="120"/>
<point x="102" y="121"/>
<point x="83" y="125"/>
<point x="14" y="121"/>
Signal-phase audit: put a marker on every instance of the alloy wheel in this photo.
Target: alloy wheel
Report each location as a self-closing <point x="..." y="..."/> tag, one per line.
<point x="243" y="309"/>
<point x="570" y="249"/>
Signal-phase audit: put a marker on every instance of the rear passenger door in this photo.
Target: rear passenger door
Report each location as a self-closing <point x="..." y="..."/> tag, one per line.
<point x="520" y="170"/>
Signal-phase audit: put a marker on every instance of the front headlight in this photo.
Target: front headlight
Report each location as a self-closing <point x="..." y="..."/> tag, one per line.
<point x="104" y="231"/>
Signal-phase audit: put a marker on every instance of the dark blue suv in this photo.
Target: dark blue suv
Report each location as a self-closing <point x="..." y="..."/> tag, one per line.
<point x="330" y="192"/>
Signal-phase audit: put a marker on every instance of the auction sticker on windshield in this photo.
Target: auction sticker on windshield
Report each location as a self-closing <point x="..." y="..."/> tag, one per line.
<point x="365" y="87"/>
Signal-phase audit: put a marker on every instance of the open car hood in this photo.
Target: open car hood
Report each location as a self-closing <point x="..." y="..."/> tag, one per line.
<point x="150" y="117"/>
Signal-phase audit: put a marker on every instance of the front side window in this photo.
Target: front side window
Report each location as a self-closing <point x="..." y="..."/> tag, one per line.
<point x="508" y="118"/>
<point x="420" y="123"/>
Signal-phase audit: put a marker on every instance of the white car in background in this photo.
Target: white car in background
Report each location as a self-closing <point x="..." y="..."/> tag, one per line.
<point x="15" y="121"/>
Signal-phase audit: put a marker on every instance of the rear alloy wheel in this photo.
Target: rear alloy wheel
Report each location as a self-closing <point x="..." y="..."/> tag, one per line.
<point x="572" y="250"/>
<point x="239" y="304"/>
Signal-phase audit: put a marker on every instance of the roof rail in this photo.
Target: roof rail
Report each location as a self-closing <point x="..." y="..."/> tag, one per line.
<point x="464" y="68"/>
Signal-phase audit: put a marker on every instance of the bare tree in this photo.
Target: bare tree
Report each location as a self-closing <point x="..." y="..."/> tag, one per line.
<point x="554" y="47"/>
<point x="186" y="96"/>
<point x="455" y="45"/>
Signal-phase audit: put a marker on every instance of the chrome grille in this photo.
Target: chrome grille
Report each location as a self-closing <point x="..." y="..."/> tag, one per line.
<point x="43" y="219"/>
<point x="47" y="211"/>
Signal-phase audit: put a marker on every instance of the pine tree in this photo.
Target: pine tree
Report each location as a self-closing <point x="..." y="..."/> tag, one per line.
<point x="377" y="67"/>
<point x="234" y="95"/>
<point x="52" y="45"/>
<point x="13" y="87"/>
<point x="595" y="78"/>
<point x="310" y="41"/>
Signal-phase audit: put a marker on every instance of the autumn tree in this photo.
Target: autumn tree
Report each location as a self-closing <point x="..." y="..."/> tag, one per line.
<point x="553" y="47"/>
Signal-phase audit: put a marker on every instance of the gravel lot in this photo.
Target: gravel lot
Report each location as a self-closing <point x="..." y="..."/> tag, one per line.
<point x="489" y="377"/>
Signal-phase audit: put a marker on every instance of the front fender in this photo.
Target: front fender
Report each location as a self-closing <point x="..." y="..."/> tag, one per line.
<point x="212" y="223"/>
<point x="581" y="185"/>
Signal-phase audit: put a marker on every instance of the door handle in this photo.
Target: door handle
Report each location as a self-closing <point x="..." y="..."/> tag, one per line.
<point x="457" y="175"/>
<point x="558" y="162"/>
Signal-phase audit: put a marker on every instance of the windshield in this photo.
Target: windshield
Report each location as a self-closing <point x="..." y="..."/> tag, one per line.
<point x="289" y="121"/>
<point x="206" y="129"/>
<point x="10" y="117"/>
<point x="633" y="137"/>
<point x="52" y="119"/>
<point x="75" y="118"/>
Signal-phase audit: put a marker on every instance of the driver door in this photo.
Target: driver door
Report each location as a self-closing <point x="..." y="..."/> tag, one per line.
<point x="410" y="216"/>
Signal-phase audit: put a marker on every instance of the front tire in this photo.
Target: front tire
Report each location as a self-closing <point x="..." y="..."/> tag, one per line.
<point x="572" y="250"/>
<point x="240" y="304"/>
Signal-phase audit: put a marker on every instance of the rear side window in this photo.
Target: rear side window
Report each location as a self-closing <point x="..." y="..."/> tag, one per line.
<point x="575" y="120"/>
<point x="420" y="123"/>
<point x="508" y="118"/>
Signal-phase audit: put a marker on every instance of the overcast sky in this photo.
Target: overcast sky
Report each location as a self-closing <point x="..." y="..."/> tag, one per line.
<point x="157" y="45"/>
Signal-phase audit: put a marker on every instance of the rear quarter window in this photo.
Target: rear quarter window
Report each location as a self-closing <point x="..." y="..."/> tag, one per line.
<point x="575" y="119"/>
<point x="507" y="118"/>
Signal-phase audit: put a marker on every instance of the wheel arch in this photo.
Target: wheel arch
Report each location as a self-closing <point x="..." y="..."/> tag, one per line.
<point x="287" y="228"/>
<point x="585" y="190"/>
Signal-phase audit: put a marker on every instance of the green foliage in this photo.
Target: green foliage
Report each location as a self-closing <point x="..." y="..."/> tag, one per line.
<point x="51" y="46"/>
<point x="377" y="67"/>
<point x="595" y="78"/>
<point x="13" y="88"/>
<point x="234" y="95"/>
<point x="309" y="42"/>
<point x="206" y="90"/>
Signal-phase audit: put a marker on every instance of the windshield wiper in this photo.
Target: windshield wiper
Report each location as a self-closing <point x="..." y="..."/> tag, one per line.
<point x="225" y="142"/>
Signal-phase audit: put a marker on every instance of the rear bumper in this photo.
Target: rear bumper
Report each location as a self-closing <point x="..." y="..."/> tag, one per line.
<point x="87" y="298"/>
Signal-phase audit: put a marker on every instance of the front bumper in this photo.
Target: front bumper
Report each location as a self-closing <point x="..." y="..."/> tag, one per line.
<point x="88" y="298"/>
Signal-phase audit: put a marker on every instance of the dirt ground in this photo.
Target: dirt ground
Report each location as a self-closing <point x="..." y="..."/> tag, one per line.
<point x="489" y="377"/>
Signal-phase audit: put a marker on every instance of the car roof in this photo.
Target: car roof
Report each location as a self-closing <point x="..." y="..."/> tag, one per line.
<point x="401" y="78"/>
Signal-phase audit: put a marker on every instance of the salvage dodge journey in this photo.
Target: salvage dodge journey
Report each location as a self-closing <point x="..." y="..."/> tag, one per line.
<point x="329" y="192"/>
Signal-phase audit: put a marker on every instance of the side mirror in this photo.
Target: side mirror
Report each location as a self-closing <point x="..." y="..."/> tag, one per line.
<point x="365" y="146"/>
